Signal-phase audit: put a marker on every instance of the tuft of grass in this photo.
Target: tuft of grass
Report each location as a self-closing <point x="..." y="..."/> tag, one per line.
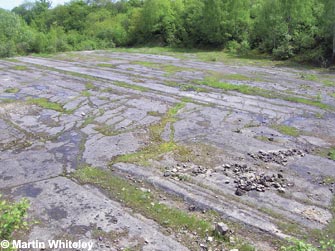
<point x="45" y="103"/>
<point x="287" y="130"/>
<point x="333" y="95"/>
<point x="85" y="93"/>
<point x="90" y="86"/>
<point x="12" y="90"/>
<point x="142" y="202"/>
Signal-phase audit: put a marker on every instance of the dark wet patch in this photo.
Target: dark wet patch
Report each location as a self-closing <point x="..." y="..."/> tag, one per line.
<point x="28" y="191"/>
<point x="40" y="87"/>
<point x="71" y="148"/>
<point x="79" y="229"/>
<point x="57" y="213"/>
<point x="6" y="177"/>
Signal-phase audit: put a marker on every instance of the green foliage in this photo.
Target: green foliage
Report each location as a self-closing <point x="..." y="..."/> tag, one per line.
<point x="285" y="29"/>
<point x="300" y="245"/>
<point x="12" y="217"/>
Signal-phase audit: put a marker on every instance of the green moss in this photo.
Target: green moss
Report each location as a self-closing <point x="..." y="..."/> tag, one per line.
<point x="142" y="202"/>
<point x="45" y="103"/>
<point x="12" y="90"/>
<point x="288" y="130"/>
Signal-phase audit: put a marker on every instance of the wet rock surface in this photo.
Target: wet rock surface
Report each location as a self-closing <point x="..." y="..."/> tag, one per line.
<point x="249" y="158"/>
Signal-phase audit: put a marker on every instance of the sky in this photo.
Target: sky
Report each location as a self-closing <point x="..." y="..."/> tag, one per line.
<point x="10" y="4"/>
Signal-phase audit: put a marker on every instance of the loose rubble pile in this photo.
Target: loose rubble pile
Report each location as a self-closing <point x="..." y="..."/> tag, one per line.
<point x="247" y="179"/>
<point x="180" y="169"/>
<point x="279" y="157"/>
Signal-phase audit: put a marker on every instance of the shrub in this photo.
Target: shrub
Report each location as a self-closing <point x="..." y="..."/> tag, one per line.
<point x="12" y="217"/>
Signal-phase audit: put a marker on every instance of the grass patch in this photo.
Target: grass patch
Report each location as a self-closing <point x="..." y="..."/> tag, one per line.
<point x="106" y="130"/>
<point x="287" y="130"/>
<point x="107" y="65"/>
<point x="328" y="83"/>
<point x="85" y="93"/>
<point x="133" y="87"/>
<point x="20" y="67"/>
<point x="263" y="138"/>
<point x="12" y="90"/>
<point x="142" y="202"/>
<point x="88" y="120"/>
<point x="331" y="153"/>
<point x="329" y="179"/>
<point x="326" y="152"/>
<point x="333" y="95"/>
<point x="158" y="146"/>
<point x="146" y="64"/>
<point x="90" y="86"/>
<point x="256" y="91"/>
<point x="154" y="113"/>
<point x="45" y="103"/>
<point x="169" y="69"/>
<point x="309" y="77"/>
<point x="154" y="151"/>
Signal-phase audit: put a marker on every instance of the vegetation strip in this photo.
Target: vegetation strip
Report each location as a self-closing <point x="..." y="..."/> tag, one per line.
<point x="256" y="91"/>
<point x="142" y="202"/>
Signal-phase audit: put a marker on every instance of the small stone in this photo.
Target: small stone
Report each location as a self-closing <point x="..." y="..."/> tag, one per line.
<point x="145" y="190"/>
<point x="235" y="249"/>
<point x="239" y="192"/>
<point x="167" y="174"/>
<point x="221" y="228"/>
<point x="281" y="190"/>
<point x="210" y="238"/>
